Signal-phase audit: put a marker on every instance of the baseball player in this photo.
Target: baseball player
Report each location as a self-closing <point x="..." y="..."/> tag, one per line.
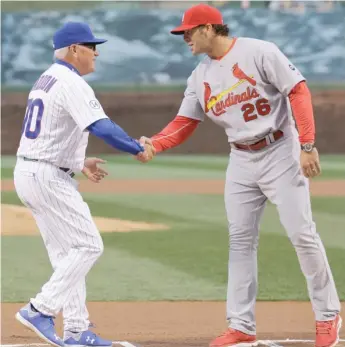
<point x="251" y="89"/>
<point x="62" y="110"/>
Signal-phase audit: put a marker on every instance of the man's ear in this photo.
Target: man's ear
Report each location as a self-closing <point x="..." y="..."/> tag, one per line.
<point x="209" y="26"/>
<point x="73" y="48"/>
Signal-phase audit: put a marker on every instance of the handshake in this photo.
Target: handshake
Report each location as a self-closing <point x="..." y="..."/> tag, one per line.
<point x="95" y="173"/>
<point x="149" y="151"/>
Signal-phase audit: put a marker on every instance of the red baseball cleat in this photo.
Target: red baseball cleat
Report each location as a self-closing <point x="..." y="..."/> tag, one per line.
<point x="327" y="333"/>
<point x="234" y="337"/>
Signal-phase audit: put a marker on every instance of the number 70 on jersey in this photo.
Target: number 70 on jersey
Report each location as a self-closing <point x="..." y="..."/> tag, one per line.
<point x="33" y="118"/>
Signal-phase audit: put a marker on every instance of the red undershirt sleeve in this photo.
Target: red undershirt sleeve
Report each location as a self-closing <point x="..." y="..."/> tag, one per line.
<point x="175" y="133"/>
<point x="181" y="128"/>
<point x="302" y="108"/>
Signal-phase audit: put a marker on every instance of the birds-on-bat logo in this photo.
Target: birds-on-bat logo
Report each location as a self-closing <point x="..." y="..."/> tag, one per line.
<point x="238" y="73"/>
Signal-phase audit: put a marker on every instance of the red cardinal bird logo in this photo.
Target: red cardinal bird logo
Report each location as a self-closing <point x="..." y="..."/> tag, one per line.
<point x="238" y="73"/>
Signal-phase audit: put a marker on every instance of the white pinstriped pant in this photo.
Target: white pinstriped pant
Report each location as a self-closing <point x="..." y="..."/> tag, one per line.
<point x="69" y="233"/>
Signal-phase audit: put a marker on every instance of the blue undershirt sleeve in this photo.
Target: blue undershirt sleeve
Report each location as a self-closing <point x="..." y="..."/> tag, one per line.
<point x="115" y="136"/>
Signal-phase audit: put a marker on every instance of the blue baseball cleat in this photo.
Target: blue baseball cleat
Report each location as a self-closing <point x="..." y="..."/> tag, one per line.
<point x="85" y="339"/>
<point x="39" y="323"/>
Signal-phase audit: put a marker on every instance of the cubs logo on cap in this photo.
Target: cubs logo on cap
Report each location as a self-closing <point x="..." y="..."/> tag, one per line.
<point x="198" y="15"/>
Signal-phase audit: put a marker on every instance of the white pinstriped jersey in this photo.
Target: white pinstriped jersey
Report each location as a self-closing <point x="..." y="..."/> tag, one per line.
<point x="61" y="105"/>
<point x="245" y="92"/>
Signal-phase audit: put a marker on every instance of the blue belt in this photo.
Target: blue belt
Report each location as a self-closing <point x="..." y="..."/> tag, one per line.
<point x="64" y="169"/>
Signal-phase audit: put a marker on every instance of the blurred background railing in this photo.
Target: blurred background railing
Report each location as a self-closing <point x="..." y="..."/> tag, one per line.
<point x="141" y="51"/>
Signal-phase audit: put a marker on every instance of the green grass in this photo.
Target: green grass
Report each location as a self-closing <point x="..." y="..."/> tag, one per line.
<point x="6" y="172"/>
<point x="182" y="167"/>
<point x="129" y="271"/>
<point x="330" y="205"/>
<point x="187" y="262"/>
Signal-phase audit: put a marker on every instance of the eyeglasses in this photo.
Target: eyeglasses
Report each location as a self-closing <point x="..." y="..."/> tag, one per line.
<point x="91" y="46"/>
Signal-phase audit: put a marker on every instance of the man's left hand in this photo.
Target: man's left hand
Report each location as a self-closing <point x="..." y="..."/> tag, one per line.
<point x="310" y="163"/>
<point x="150" y="150"/>
<point x="92" y="171"/>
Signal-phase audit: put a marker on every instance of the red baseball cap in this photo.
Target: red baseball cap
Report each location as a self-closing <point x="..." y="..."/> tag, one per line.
<point x="198" y="15"/>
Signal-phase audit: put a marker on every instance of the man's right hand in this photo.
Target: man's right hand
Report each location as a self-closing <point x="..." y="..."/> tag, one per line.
<point x="149" y="152"/>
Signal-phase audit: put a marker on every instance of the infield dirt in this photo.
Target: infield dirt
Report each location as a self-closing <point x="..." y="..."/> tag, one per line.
<point x="177" y="324"/>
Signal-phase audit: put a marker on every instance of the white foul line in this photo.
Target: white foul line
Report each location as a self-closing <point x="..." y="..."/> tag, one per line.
<point x="268" y="343"/>
<point x="124" y="343"/>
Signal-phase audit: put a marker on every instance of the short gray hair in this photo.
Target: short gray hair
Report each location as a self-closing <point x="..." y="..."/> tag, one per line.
<point x="61" y="53"/>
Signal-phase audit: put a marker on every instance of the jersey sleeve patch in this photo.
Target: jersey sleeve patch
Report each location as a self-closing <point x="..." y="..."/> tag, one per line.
<point x="95" y="104"/>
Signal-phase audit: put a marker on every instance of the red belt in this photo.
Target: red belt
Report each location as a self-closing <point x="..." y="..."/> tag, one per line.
<point x="260" y="144"/>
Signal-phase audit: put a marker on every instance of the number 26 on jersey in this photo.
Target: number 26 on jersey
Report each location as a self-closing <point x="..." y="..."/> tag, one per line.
<point x="251" y="110"/>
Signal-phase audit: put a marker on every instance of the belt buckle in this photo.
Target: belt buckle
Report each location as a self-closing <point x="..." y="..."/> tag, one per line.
<point x="269" y="139"/>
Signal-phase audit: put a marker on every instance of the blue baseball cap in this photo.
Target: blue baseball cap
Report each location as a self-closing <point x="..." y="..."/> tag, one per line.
<point x="73" y="33"/>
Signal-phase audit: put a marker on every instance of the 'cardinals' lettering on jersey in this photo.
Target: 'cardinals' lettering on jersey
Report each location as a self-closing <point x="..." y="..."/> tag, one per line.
<point x="245" y="92"/>
<point x="61" y="105"/>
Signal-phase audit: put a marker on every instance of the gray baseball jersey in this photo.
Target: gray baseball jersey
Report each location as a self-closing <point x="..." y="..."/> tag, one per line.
<point x="242" y="92"/>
